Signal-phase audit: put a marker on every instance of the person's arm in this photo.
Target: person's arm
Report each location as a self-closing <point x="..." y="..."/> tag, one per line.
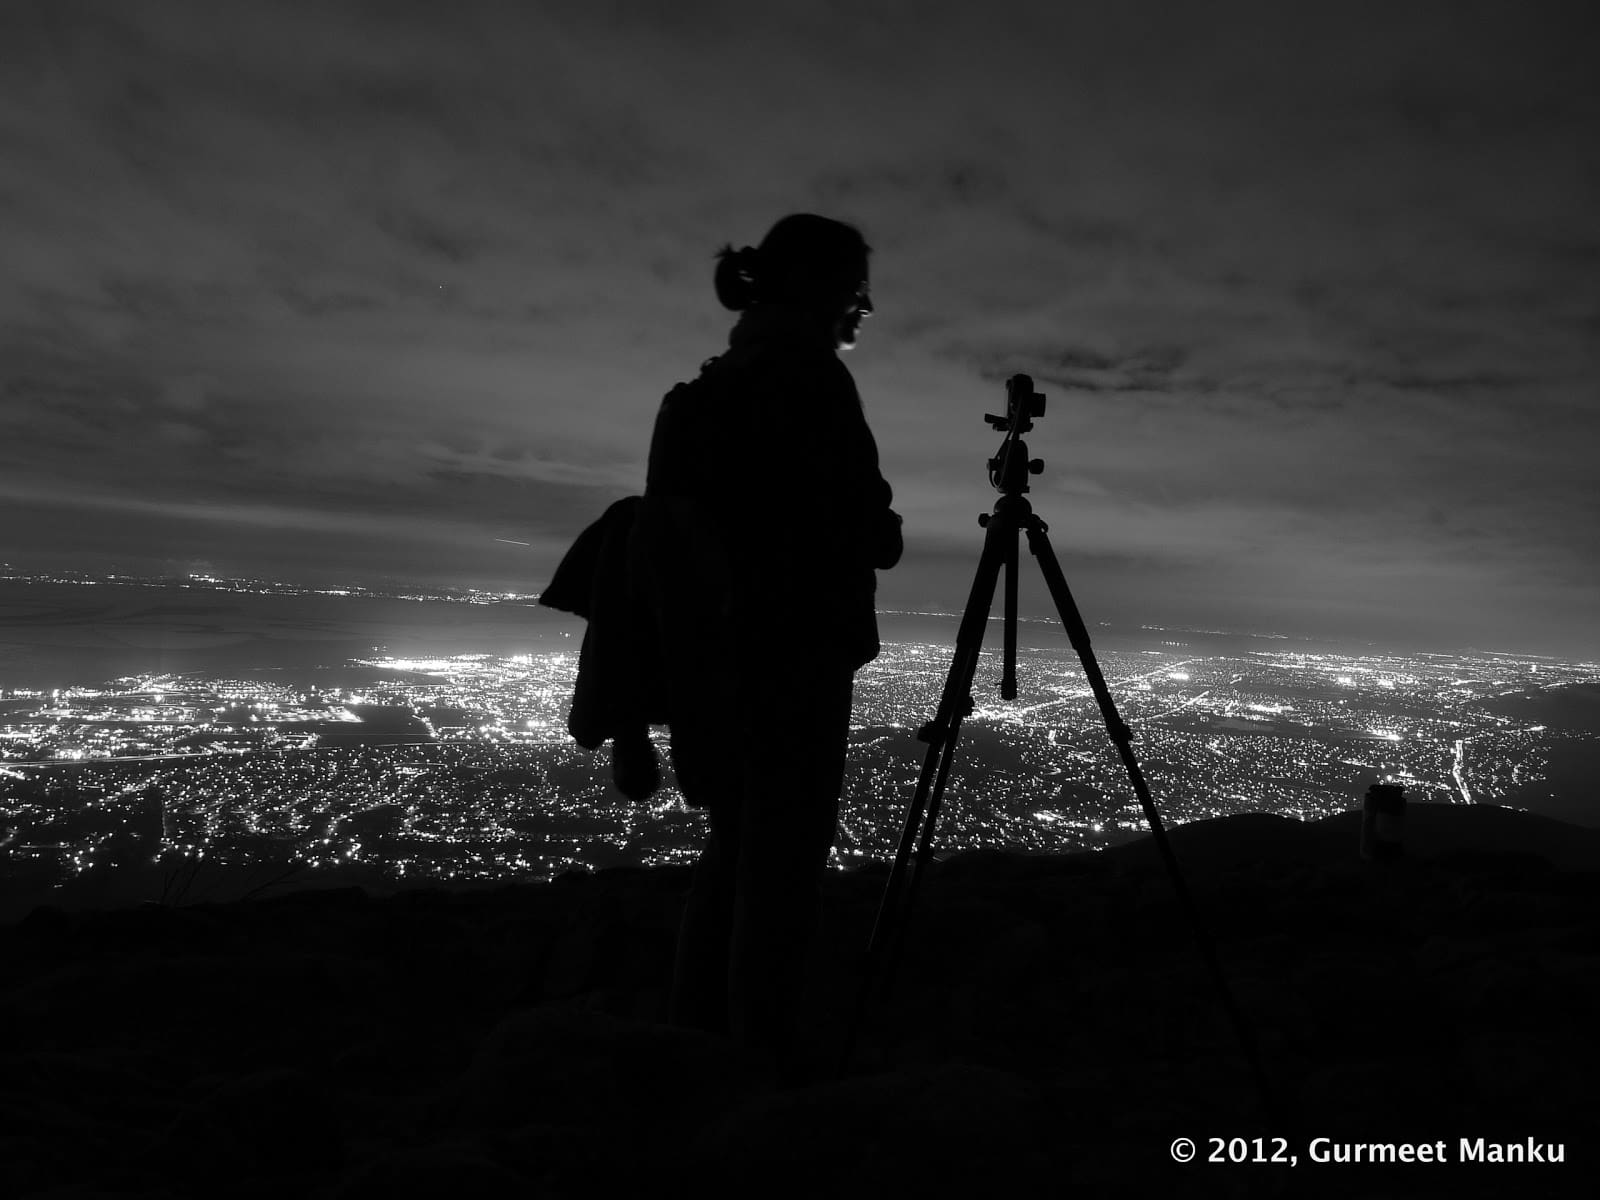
<point x="811" y="508"/>
<point x="866" y="495"/>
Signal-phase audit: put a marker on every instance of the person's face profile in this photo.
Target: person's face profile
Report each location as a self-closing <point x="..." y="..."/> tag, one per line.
<point x="854" y="307"/>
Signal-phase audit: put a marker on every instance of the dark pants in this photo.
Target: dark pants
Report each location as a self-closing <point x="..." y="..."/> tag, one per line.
<point x="769" y="769"/>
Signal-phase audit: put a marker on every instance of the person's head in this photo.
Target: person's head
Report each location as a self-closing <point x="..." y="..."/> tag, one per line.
<point x="807" y="262"/>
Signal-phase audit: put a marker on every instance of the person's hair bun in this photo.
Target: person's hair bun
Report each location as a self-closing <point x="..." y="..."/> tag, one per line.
<point x="735" y="279"/>
<point x="805" y="260"/>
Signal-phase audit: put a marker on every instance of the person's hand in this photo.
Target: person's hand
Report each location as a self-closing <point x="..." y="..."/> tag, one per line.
<point x="633" y="765"/>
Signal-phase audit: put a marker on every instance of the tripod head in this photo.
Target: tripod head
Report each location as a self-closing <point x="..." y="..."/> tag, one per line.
<point x="1022" y="404"/>
<point x="1010" y="467"/>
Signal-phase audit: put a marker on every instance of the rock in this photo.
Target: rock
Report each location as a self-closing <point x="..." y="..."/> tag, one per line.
<point x="570" y="1066"/>
<point x="1054" y="1020"/>
<point x="1444" y="953"/>
<point x="1350" y="999"/>
<point x="947" y="1130"/>
<point x="1362" y="1095"/>
<point x="279" y="1119"/>
<point x="1270" y="1003"/>
<point x="1576" y="980"/>
<point x="1536" y="1070"/>
<point x="461" y="1170"/>
<point x="1500" y="992"/>
<point x="1517" y="910"/>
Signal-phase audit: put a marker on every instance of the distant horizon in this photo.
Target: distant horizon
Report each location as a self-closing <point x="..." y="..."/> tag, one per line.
<point x="398" y="588"/>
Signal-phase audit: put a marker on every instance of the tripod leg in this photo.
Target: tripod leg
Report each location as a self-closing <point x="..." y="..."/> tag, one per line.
<point x="1122" y="737"/>
<point x="1078" y="634"/>
<point x="954" y="703"/>
<point x="1008" y="676"/>
<point x="896" y="938"/>
<point x="940" y="734"/>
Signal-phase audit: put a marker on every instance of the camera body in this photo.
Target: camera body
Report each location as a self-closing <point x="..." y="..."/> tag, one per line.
<point x="1010" y="467"/>
<point x="1022" y="405"/>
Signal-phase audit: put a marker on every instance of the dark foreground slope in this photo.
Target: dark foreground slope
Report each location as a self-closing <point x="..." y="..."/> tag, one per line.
<point x="1053" y="1029"/>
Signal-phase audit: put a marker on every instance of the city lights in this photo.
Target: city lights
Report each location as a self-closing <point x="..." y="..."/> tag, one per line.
<point x="460" y="767"/>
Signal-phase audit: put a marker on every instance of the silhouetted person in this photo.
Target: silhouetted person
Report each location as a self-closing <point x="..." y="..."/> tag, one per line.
<point x="766" y="516"/>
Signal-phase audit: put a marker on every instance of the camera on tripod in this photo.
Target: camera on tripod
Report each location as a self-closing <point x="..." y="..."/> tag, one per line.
<point x="1010" y="467"/>
<point x="1013" y="517"/>
<point x="1022" y="405"/>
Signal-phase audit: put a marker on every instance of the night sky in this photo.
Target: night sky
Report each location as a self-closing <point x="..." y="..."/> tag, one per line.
<point x="347" y="292"/>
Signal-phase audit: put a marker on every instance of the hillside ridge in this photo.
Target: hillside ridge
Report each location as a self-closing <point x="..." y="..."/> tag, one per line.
<point x="1051" y="1020"/>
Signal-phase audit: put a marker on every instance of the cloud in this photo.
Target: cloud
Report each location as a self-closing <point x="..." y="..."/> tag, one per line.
<point x="433" y="237"/>
<point x="1310" y="287"/>
<point x="1082" y="369"/>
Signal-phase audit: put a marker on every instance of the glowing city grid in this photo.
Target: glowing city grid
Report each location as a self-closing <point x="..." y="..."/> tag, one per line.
<point x="460" y="767"/>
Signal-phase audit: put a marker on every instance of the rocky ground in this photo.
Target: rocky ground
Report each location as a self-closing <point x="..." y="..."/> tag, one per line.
<point x="1053" y="1028"/>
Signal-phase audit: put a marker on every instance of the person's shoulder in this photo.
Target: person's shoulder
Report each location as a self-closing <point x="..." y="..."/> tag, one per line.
<point x="802" y="373"/>
<point x="823" y="368"/>
<point x="838" y="381"/>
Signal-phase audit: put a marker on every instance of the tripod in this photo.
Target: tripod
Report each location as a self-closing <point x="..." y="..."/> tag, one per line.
<point x="1012" y="516"/>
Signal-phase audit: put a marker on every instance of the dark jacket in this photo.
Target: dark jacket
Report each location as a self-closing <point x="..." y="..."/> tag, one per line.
<point x="769" y="458"/>
<point x="618" y="693"/>
<point x="763" y="521"/>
